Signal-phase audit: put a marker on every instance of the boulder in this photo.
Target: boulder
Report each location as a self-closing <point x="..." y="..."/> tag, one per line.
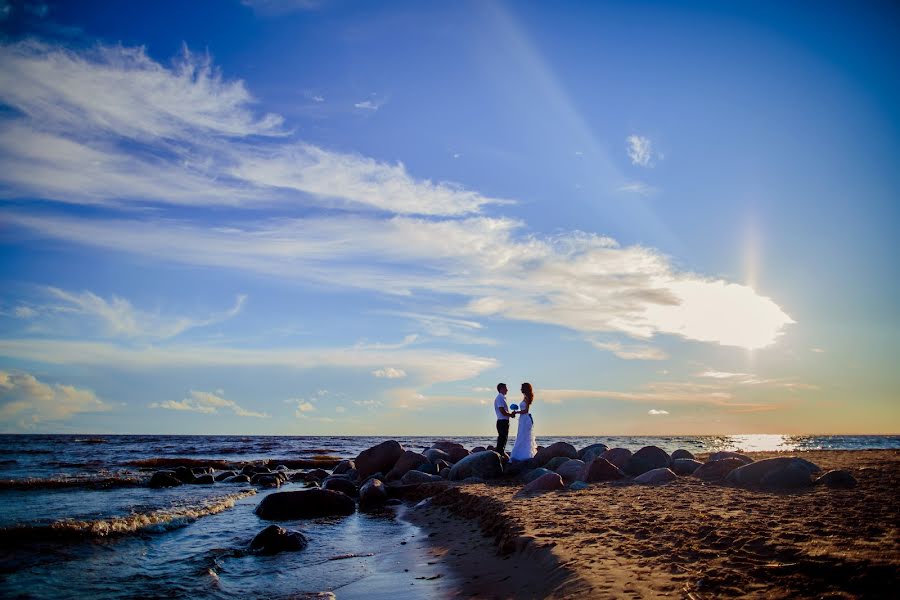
<point x="339" y="484"/>
<point x="570" y="470"/>
<point x="721" y="455"/>
<point x="837" y="478"/>
<point x="555" y="462"/>
<point x="778" y="472"/>
<point x="600" y="469"/>
<point x="534" y="474"/>
<point x="594" y="449"/>
<point x="343" y="467"/>
<point x="266" y="481"/>
<point x="408" y="461"/>
<point x="577" y="486"/>
<point x="455" y="451"/>
<point x="617" y="456"/>
<point x="184" y="474"/>
<point x="201" y="471"/>
<point x="238" y="479"/>
<point x="372" y="493"/>
<point x="717" y="469"/>
<point x="301" y="476"/>
<point x="274" y="539"/>
<point x="545" y="483"/>
<point x="319" y="474"/>
<point x="430" y="468"/>
<point x="225" y="475"/>
<point x="477" y="449"/>
<point x="378" y="458"/>
<point x="685" y="466"/>
<point x="444" y="473"/>
<point x="681" y="453"/>
<point x="646" y="459"/>
<point x="654" y="476"/>
<point x="435" y="454"/>
<point x="554" y="450"/>
<point x="418" y="477"/>
<point x="162" y="479"/>
<point x="484" y="465"/>
<point x="515" y="468"/>
<point x="304" y="504"/>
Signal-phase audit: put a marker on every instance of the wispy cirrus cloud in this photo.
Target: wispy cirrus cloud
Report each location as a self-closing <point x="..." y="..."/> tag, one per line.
<point x="389" y="373"/>
<point x="98" y="126"/>
<point x="657" y="411"/>
<point x="630" y="352"/>
<point x="640" y="150"/>
<point x="26" y="401"/>
<point x="581" y="281"/>
<point x="208" y="403"/>
<point x="119" y="318"/>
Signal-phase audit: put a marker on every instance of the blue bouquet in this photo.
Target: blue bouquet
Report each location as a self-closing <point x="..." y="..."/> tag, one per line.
<point x="514" y="407"/>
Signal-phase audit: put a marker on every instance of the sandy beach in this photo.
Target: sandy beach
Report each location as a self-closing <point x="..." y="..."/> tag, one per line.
<point x="684" y="539"/>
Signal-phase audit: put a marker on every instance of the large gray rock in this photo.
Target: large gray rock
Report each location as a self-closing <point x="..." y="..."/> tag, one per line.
<point x="225" y="475"/>
<point x="617" y="456"/>
<point x="783" y="472"/>
<point x="339" y="484"/>
<point x="343" y="467"/>
<point x="163" y="479"/>
<point x="378" y="458"/>
<point x="454" y="450"/>
<point x="717" y="469"/>
<point x="304" y="504"/>
<point x="534" y="474"/>
<point x="577" y="486"/>
<point x="654" y="476"/>
<point x="724" y="454"/>
<point x="600" y="469"/>
<point x="429" y="468"/>
<point x="545" y="483"/>
<point x="570" y="470"/>
<point x="372" y="493"/>
<point x="555" y="462"/>
<point x="589" y="453"/>
<point x="837" y="478"/>
<point x="483" y="465"/>
<point x="685" y="466"/>
<point x="274" y="539"/>
<point x="436" y="454"/>
<point x="554" y="450"/>
<point x="418" y="477"/>
<point x="646" y="459"/>
<point x="680" y="453"/>
<point x="408" y="461"/>
<point x="238" y="479"/>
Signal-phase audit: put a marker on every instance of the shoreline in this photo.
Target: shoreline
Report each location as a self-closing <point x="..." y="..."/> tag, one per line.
<point x="688" y="538"/>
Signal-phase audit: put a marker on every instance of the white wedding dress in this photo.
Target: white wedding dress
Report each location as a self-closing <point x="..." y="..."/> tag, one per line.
<point x="526" y="445"/>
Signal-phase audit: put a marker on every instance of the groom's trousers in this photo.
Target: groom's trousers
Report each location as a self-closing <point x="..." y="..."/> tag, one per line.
<point x="502" y="434"/>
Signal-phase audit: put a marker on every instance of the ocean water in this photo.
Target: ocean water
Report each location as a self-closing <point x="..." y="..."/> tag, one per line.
<point x="77" y="520"/>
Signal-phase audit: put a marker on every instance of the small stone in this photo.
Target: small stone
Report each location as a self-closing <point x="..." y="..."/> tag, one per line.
<point x="274" y="539"/>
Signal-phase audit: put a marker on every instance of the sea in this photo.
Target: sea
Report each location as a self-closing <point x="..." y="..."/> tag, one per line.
<point x="77" y="519"/>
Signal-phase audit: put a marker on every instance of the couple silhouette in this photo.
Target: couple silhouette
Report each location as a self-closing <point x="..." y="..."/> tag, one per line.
<point x="525" y="446"/>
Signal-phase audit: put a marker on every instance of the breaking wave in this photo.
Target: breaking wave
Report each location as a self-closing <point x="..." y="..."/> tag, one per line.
<point x="157" y="521"/>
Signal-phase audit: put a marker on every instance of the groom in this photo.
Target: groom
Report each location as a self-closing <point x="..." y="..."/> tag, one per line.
<point x="501" y="410"/>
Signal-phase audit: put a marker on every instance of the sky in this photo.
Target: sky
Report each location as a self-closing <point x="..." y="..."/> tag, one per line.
<point x="327" y="217"/>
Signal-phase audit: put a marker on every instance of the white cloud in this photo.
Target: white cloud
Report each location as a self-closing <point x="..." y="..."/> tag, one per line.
<point x="637" y="187"/>
<point x="631" y="352"/>
<point x="120" y="319"/>
<point x="654" y="411"/>
<point x="721" y="374"/>
<point x="26" y="401"/>
<point x="428" y="365"/>
<point x="25" y="312"/>
<point x="639" y="150"/>
<point x="340" y="409"/>
<point x="581" y="281"/>
<point x="389" y="373"/>
<point x="367" y="105"/>
<point x="818" y="350"/>
<point x="207" y="403"/>
<point x="305" y="406"/>
<point x="100" y="126"/>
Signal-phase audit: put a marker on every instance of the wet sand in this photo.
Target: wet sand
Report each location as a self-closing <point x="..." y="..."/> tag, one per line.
<point x="685" y="539"/>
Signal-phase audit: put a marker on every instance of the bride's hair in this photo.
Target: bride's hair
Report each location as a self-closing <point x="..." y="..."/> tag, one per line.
<point x="529" y="393"/>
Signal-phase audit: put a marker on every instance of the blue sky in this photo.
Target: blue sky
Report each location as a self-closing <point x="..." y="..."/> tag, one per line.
<point x="351" y="218"/>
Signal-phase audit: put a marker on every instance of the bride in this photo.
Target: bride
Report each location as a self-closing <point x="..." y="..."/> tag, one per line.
<point x="526" y="446"/>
